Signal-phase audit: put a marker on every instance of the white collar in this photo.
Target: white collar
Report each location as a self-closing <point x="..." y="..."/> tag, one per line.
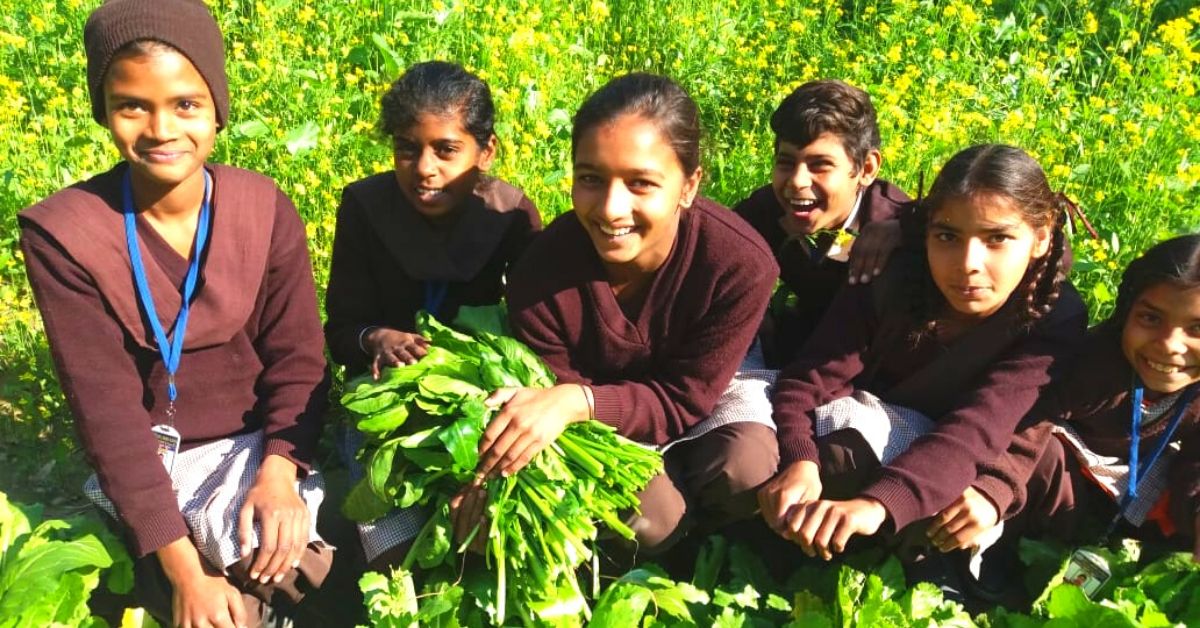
<point x="837" y="253"/>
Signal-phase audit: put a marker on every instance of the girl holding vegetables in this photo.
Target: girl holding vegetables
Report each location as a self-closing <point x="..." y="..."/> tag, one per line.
<point x="643" y="301"/>
<point x="434" y="233"/>
<point x="179" y="304"/>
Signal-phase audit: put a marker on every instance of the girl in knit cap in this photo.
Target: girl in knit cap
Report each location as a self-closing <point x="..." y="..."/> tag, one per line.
<point x="180" y="309"/>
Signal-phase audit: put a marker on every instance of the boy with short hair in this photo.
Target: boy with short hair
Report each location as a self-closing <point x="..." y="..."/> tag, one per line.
<point x="824" y="188"/>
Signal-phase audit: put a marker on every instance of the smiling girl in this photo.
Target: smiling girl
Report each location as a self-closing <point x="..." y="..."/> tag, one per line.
<point x="909" y="382"/>
<point x="435" y="233"/>
<point x="179" y="305"/>
<point x="1149" y="348"/>
<point x="643" y="301"/>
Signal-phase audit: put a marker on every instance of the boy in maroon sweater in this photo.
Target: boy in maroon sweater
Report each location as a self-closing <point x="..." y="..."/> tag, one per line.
<point x="824" y="187"/>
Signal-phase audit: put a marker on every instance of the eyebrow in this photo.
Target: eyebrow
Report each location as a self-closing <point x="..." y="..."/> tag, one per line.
<point x="639" y="172"/>
<point x="991" y="227"/>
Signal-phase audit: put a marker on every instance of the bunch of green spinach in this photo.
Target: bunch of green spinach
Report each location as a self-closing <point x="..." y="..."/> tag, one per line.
<point x="423" y="424"/>
<point x="48" y="570"/>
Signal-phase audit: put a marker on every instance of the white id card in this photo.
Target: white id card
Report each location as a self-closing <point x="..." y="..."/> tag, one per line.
<point x="168" y="439"/>
<point x="1088" y="571"/>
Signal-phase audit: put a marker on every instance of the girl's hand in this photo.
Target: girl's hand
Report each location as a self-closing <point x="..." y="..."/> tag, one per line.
<point x="823" y="528"/>
<point x="959" y="525"/>
<point x="467" y="509"/>
<point x="199" y="595"/>
<point x="529" y="421"/>
<point x="283" y="517"/>
<point x="871" y="250"/>
<point x="390" y="347"/>
<point x="798" y="484"/>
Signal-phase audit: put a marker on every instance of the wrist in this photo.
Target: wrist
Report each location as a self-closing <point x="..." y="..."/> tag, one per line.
<point x="590" y="399"/>
<point x="180" y="561"/>
<point x="364" y="337"/>
<point x="276" y="468"/>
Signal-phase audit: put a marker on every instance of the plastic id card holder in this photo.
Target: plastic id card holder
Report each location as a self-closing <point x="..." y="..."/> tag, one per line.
<point x="1088" y="571"/>
<point x="168" y="439"/>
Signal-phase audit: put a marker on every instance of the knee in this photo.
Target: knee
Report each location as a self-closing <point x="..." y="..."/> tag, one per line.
<point x="661" y="517"/>
<point x="744" y="461"/>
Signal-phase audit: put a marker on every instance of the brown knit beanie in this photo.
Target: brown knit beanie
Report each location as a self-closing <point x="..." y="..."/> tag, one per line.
<point x="185" y="25"/>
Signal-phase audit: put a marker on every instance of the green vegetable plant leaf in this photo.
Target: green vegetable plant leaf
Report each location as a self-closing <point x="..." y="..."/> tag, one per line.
<point x="362" y="504"/>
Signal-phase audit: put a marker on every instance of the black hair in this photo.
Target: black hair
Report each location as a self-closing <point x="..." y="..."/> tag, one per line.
<point x="443" y="89"/>
<point x="1175" y="262"/>
<point x="1006" y="172"/>
<point x="828" y="106"/>
<point x="652" y="97"/>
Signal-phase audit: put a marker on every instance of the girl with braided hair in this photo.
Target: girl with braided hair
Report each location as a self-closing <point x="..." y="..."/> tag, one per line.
<point x="909" y="382"/>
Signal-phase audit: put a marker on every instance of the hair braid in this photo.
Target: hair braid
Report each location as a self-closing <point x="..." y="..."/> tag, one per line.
<point x="1046" y="275"/>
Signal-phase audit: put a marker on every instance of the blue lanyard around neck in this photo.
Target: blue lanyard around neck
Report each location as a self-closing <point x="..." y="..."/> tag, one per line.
<point x="1137" y="470"/>
<point x="172" y="349"/>
<point x="435" y="295"/>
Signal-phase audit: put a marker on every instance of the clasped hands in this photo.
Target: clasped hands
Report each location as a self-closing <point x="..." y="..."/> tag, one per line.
<point x="791" y="505"/>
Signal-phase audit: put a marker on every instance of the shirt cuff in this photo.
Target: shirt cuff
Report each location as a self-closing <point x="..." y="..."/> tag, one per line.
<point x="281" y="447"/>
<point x="796" y="449"/>
<point x="608" y="406"/>
<point x="897" y="499"/>
<point x="155" y="530"/>
<point x="999" y="492"/>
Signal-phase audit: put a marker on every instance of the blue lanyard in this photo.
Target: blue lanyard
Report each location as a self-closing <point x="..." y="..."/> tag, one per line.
<point x="173" y="349"/>
<point x="435" y="294"/>
<point x="1136" y="470"/>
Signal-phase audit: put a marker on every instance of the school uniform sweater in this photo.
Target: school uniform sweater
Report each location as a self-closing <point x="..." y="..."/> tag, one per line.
<point x="1095" y="401"/>
<point x="252" y="356"/>
<point x="385" y="255"/>
<point x="976" y="414"/>
<point x="657" y="375"/>
<point x="808" y="273"/>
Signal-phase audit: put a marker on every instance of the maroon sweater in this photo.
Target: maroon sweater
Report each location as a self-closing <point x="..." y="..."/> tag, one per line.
<point x="384" y="252"/>
<point x="252" y="355"/>
<point x="661" y="373"/>
<point x="976" y="415"/>
<point x="1095" y="400"/>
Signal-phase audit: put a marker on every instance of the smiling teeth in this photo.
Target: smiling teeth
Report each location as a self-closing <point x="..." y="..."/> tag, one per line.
<point x="607" y="230"/>
<point x="1162" y="368"/>
<point x="803" y="202"/>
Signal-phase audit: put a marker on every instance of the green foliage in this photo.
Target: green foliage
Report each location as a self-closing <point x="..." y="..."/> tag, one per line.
<point x="48" y="569"/>
<point x="542" y="520"/>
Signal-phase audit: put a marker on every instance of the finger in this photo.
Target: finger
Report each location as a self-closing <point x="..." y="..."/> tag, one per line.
<point x="300" y="525"/>
<point x="519" y="455"/>
<point x="419" y="349"/>
<point x="499" y="397"/>
<point x="841" y="538"/>
<point x="269" y="531"/>
<point x="375" y="367"/>
<point x="491" y="457"/>
<point x="824" y="534"/>
<point x="284" y="542"/>
<point x="246" y="528"/>
<point x="237" y="610"/>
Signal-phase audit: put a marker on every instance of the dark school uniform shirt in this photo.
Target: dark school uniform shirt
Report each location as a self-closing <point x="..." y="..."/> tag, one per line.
<point x="814" y="281"/>
<point x="975" y="414"/>
<point x="1095" y="400"/>
<point x="384" y="253"/>
<point x="659" y="372"/>
<point x="252" y="357"/>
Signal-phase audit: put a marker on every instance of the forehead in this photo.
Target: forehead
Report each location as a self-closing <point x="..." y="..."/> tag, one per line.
<point x="627" y="141"/>
<point x="978" y="212"/>
<point x="825" y="145"/>
<point x="433" y="126"/>
<point x="161" y="70"/>
<point x="1179" y="301"/>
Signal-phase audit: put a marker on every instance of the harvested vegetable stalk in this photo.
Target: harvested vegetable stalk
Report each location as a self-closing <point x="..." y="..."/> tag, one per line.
<point x="423" y="424"/>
